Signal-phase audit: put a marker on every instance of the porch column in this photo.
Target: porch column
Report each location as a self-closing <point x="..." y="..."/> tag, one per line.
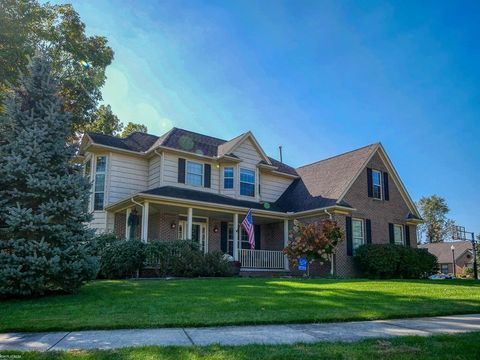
<point x="146" y="210"/>
<point x="127" y="227"/>
<point x="235" y="237"/>
<point x="285" y="241"/>
<point x="189" y="223"/>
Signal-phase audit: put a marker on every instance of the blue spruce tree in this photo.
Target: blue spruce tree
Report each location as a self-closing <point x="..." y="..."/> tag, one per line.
<point x="43" y="196"/>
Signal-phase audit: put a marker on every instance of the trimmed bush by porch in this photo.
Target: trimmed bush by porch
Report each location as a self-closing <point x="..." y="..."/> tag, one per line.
<point x="228" y="301"/>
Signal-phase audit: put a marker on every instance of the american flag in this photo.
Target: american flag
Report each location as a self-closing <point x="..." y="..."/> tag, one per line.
<point x="247" y="224"/>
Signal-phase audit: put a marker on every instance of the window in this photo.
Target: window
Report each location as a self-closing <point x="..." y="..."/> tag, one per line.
<point x="377" y="184"/>
<point x="87" y="170"/>
<point x="228" y="178"/>
<point x="243" y="237"/>
<point x="444" y="269"/>
<point x="99" y="186"/>
<point x="247" y="182"/>
<point x="194" y="173"/>
<point x="398" y="234"/>
<point x="358" y="233"/>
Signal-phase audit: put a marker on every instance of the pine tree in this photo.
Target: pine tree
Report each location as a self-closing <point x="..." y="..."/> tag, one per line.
<point x="44" y="241"/>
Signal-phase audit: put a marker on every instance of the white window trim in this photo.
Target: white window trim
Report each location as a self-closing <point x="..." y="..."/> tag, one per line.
<point x="94" y="177"/>
<point x="233" y="178"/>
<point x="373" y="185"/>
<point x="402" y="234"/>
<point x="90" y="158"/>
<point x="182" y="229"/>
<point x="254" y="183"/>
<point x="202" y="174"/>
<point x="362" y="221"/>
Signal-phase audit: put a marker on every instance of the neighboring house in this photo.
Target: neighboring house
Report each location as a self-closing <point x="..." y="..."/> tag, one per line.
<point x="193" y="186"/>
<point x="463" y="255"/>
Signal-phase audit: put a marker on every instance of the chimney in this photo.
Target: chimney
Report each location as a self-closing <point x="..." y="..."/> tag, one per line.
<point x="280" y="150"/>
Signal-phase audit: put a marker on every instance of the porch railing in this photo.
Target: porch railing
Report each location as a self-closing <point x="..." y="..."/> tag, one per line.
<point x="262" y="259"/>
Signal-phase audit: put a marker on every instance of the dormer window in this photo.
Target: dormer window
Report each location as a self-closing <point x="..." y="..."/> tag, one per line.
<point x="194" y="173"/>
<point x="247" y="182"/>
<point x="377" y="184"/>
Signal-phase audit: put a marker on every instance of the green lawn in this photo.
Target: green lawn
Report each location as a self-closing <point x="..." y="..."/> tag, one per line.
<point x="208" y="302"/>
<point x="463" y="346"/>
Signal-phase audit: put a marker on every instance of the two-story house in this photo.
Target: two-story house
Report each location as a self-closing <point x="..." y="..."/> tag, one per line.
<point x="185" y="185"/>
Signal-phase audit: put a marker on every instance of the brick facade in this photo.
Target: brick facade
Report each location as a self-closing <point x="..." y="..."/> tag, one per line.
<point x="380" y="213"/>
<point x="159" y="228"/>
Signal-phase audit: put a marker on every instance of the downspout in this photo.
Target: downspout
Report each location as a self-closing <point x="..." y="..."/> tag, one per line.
<point x="330" y="216"/>
<point x="161" y="165"/>
<point x="332" y="256"/>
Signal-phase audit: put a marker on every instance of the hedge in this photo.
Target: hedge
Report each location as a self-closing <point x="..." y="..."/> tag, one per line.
<point x="121" y="259"/>
<point x="394" y="261"/>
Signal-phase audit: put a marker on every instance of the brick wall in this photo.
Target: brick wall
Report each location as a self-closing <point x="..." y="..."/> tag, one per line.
<point x="271" y="236"/>
<point x="380" y="212"/>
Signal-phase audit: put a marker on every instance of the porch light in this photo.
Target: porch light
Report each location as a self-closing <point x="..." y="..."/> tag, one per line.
<point x="173" y="225"/>
<point x="215" y="229"/>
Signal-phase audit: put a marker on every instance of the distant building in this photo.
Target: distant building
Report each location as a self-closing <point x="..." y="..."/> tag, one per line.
<point x="463" y="255"/>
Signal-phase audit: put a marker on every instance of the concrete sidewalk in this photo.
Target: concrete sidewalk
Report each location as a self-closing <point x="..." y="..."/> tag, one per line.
<point x="239" y="335"/>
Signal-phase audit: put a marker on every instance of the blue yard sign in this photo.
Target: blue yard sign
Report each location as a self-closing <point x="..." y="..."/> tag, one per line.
<point x="302" y="264"/>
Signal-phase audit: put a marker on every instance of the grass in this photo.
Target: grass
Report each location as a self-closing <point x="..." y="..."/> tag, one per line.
<point x="462" y="346"/>
<point x="209" y="302"/>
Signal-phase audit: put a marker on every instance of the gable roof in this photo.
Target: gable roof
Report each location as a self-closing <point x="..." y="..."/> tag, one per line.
<point x="185" y="140"/>
<point x="323" y="182"/>
<point x="443" y="252"/>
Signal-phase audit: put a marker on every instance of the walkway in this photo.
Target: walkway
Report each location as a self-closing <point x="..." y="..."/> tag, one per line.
<point x="239" y="335"/>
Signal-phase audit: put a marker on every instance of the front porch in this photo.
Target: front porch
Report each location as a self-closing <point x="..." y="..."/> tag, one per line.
<point x="215" y="229"/>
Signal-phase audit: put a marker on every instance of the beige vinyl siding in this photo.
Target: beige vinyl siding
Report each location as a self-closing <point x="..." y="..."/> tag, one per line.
<point x="98" y="222"/>
<point x="110" y="221"/>
<point x="273" y="186"/>
<point x="250" y="157"/>
<point x="170" y="176"/>
<point x="154" y="172"/>
<point x="248" y="153"/>
<point x="128" y="175"/>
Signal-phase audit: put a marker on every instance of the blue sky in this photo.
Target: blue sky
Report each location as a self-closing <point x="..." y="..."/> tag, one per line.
<point x="319" y="78"/>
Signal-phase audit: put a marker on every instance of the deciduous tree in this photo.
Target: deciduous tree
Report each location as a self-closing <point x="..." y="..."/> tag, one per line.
<point x="132" y="127"/>
<point x="437" y="226"/>
<point x="78" y="61"/>
<point x="314" y="241"/>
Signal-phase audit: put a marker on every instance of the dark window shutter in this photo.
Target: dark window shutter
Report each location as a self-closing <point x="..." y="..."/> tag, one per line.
<point x="348" y="231"/>
<point x="407" y="235"/>
<point x="390" y="233"/>
<point x="258" y="237"/>
<point x="223" y="236"/>
<point x="207" y="174"/>
<point x="181" y="170"/>
<point x="368" y="230"/>
<point x="369" y="182"/>
<point x="386" y="192"/>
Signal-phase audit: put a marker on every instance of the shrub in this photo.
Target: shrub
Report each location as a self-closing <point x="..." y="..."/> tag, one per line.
<point x="217" y="265"/>
<point x="184" y="259"/>
<point x="394" y="261"/>
<point x="102" y="241"/>
<point x="121" y="259"/>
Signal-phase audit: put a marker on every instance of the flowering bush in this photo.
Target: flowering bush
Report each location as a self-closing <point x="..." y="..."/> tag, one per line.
<point x="316" y="241"/>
